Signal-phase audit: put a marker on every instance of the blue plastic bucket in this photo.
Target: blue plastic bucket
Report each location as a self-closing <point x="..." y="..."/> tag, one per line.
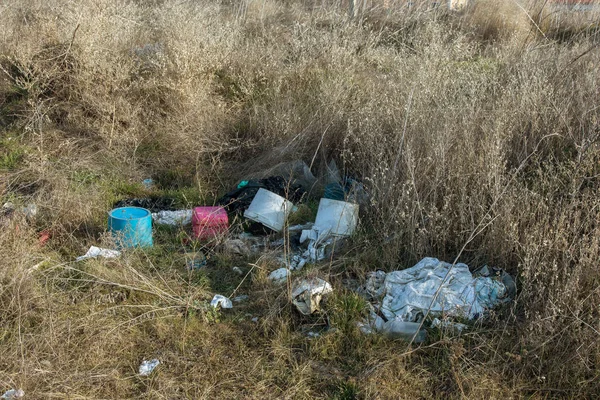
<point x="131" y="226"/>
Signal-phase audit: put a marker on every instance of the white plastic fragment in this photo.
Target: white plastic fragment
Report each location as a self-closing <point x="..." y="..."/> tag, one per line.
<point x="279" y="275"/>
<point x="307" y="294"/>
<point x="447" y="325"/>
<point x="13" y="394"/>
<point x="30" y="210"/>
<point x="173" y="218"/>
<point x="147" y="367"/>
<point x="238" y="270"/>
<point x="94" y="252"/>
<point x="221" y="301"/>
<point x="255" y="319"/>
<point x="269" y="209"/>
<point x="240" y="298"/>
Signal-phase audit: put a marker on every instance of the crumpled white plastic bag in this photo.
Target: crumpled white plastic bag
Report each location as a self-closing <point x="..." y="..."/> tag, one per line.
<point x="222" y="301"/>
<point x="147" y="367"/>
<point x="173" y="218"/>
<point x="94" y="252"/>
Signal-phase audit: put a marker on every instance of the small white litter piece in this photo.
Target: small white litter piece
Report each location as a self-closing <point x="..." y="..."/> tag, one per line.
<point x="173" y="218"/>
<point x="449" y="326"/>
<point x="13" y="394"/>
<point x="255" y="319"/>
<point x="94" y="252"/>
<point x="147" y="367"/>
<point x="279" y="275"/>
<point x="238" y="270"/>
<point x="221" y="301"/>
<point x="307" y="294"/>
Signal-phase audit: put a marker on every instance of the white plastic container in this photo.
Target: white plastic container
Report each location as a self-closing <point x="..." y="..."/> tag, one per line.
<point x="269" y="209"/>
<point x="339" y="216"/>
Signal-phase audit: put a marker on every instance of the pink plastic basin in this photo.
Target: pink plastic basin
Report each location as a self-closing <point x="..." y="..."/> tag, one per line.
<point x="209" y="222"/>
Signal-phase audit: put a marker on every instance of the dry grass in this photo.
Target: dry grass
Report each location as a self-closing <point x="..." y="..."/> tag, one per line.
<point x="475" y="130"/>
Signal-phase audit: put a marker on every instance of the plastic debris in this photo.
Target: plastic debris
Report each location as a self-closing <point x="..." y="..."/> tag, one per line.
<point x="307" y="294"/>
<point x="237" y="270"/>
<point x="173" y="218"/>
<point x="147" y="367"/>
<point x="195" y="260"/>
<point x="279" y="275"/>
<point x="94" y="252"/>
<point x="447" y="325"/>
<point x="410" y="293"/>
<point x="240" y="298"/>
<point x="30" y="210"/>
<point x="13" y="394"/>
<point x="148" y="183"/>
<point x="221" y="301"/>
<point x="240" y="198"/>
<point x="269" y="209"/>
<point x="255" y="319"/>
<point x="154" y="204"/>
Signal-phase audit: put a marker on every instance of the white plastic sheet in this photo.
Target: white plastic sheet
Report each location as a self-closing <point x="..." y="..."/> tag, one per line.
<point x="411" y="292"/>
<point x="94" y="252"/>
<point x="173" y="218"/>
<point x="147" y="367"/>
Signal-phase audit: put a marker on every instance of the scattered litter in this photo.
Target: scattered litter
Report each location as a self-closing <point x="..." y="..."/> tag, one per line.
<point x="148" y="183"/>
<point x="195" y="260"/>
<point x="237" y="246"/>
<point x="221" y="301"/>
<point x="269" y="209"/>
<point x="300" y="228"/>
<point x="94" y="252"/>
<point x="409" y="293"/>
<point x="374" y="287"/>
<point x="313" y="335"/>
<point x="131" y="227"/>
<point x="447" y="325"/>
<point x="237" y="270"/>
<point x="173" y="218"/>
<point x="30" y="210"/>
<point x="307" y="294"/>
<point x="296" y="262"/>
<point x="154" y="204"/>
<point x="240" y="298"/>
<point x="279" y="275"/>
<point x="147" y="367"/>
<point x="44" y="237"/>
<point x="13" y="394"/>
<point x="209" y="223"/>
<point x="255" y="319"/>
<point x="241" y="197"/>
<point x="339" y="217"/>
<point x="7" y="208"/>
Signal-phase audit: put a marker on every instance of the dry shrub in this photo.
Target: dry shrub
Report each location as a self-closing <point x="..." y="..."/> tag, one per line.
<point x="471" y="145"/>
<point x="500" y="20"/>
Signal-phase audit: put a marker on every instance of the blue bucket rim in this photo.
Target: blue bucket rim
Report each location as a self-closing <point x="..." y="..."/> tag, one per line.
<point x="110" y="213"/>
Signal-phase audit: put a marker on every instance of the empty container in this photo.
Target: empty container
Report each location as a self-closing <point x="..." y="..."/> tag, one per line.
<point x="339" y="216"/>
<point x="209" y="222"/>
<point x="131" y="226"/>
<point x="269" y="209"/>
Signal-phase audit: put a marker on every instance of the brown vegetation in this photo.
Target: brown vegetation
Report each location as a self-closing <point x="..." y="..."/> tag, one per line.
<point x="476" y="133"/>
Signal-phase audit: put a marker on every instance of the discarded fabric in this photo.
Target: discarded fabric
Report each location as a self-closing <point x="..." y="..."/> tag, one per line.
<point x="94" y="252"/>
<point x="173" y="218"/>
<point x="13" y="394"/>
<point x="279" y="275"/>
<point x="410" y="293"/>
<point x="147" y="367"/>
<point x="221" y="301"/>
<point x="307" y="294"/>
